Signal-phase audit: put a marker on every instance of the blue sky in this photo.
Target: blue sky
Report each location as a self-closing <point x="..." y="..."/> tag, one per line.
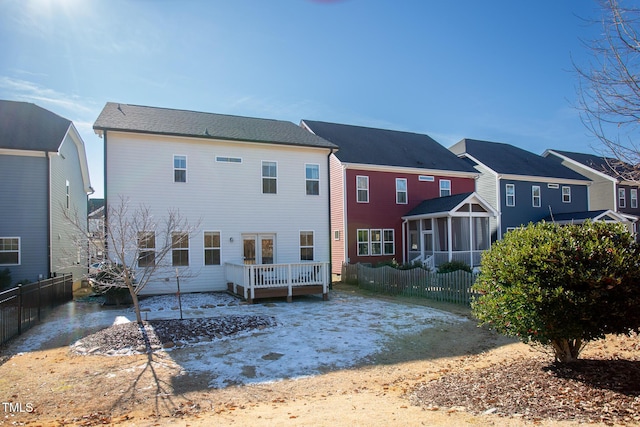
<point x="498" y="70"/>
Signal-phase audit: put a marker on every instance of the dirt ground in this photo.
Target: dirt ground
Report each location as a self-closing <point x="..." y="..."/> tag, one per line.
<point x="53" y="387"/>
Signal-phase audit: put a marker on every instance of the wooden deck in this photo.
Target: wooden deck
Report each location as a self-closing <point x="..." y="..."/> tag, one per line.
<point x="253" y="282"/>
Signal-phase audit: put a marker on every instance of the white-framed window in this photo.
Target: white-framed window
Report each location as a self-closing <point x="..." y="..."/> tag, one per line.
<point x="68" y="195"/>
<point x="622" y="198"/>
<point x="9" y="250"/>
<point x="362" y="189"/>
<point x="179" y="168"/>
<point x="211" y="248"/>
<point x="336" y="235"/>
<point x="566" y="194"/>
<point x="306" y="246"/>
<point x="312" y="179"/>
<point x="536" y="197"/>
<point x="146" y="249"/>
<point x="445" y="187"/>
<point x="388" y="241"/>
<point x="510" y="194"/>
<point x="511" y="229"/>
<point x="363" y="242"/>
<point x="376" y="241"/>
<point x="269" y="177"/>
<point x="633" y="197"/>
<point x="179" y="249"/>
<point x="401" y="191"/>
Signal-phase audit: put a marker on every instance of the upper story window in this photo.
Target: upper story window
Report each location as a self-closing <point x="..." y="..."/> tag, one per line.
<point x="445" y="187"/>
<point x="312" y="177"/>
<point x="211" y="248"/>
<point x="622" y="198"/>
<point x="401" y="191"/>
<point x="9" y="251"/>
<point x="180" y="249"/>
<point x="179" y="168"/>
<point x="146" y="249"/>
<point x="306" y="246"/>
<point x="362" y="189"/>
<point x="566" y="194"/>
<point x="510" y="194"/>
<point x="536" y="197"/>
<point x="634" y="197"/>
<point x="269" y="177"/>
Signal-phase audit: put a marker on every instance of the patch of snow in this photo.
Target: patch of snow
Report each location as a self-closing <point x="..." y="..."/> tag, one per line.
<point x="311" y="337"/>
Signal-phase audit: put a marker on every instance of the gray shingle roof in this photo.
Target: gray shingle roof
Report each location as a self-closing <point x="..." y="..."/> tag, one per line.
<point x="373" y="146"/>
<point x="508" y="159"/>
<point x="165" y="121"/>
<point x="25" y="126"/>
<point x="606" y="165"/>
<point x="438" y="205"/>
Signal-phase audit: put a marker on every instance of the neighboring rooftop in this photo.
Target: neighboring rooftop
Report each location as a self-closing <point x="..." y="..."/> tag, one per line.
<point x="507" y="159"/>
<point x="607" y="165"/>
<point x="25" y="126"/>
<point x="166" y="121"/>
<point x="364" y="145"/>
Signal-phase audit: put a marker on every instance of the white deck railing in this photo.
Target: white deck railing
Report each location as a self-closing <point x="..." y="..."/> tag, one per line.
<point x="263" y="276"/>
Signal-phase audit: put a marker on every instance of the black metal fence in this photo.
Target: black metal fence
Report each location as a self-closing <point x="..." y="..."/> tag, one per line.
<point x="25" y="305"/>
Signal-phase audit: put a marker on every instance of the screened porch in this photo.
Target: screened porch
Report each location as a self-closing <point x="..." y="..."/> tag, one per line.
<point x="452" y="228"/>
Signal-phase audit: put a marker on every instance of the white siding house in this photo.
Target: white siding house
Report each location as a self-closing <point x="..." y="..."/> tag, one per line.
<point x="257" y="188"/>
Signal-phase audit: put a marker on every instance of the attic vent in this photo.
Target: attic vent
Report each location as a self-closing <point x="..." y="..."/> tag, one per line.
<point x="553" y="186"/>
<point x="426" y="178"/>
<point x="228" y="159"/>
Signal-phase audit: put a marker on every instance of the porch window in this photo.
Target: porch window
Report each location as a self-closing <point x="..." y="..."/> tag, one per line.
<point x="269" y="178"/>
<point x="536" y="198"/>
<point x="211" y="248"/>
<point x="179" y="168"/>
<point x="388" y="241"/>
<point x="362" y="189"/>
<point x="445" y="187"/>
<point x="440" y="235"/>
<point x="312" y="174"/>
<point x="376" y="242"/>
<point x="460" y="234"/>
<point x="566" y="194"/>
<point x="634" y="197"/>
<point x="146" y="249"/>
<point x="510" y="193"/>
<point x="9" y="251"/>
<point x="306" y="246"/>
<point x="363" y="242"/>
<point x="180" y="249"/>
<point x="622" y="198"/>
<point x="481" y="240"/>
<point x="413" y="236"/>
<point x="401" y="191"/>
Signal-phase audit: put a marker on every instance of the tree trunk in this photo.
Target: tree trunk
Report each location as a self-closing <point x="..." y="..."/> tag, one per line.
<point x="566" y="350"/>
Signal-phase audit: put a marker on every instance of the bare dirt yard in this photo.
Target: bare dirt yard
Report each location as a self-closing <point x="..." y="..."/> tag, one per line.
<point x="433" y="367"/>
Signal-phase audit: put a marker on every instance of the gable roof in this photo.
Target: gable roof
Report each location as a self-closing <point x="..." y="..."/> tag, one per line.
<point x="166" y="121"/>
<point x="447" y="204"/>
<point x="581" y="217"/>
<point x="26" y="126"/>
<point x="371" y="146"/>
<point x="606" y="165"/>
<point x="508" y="159"/>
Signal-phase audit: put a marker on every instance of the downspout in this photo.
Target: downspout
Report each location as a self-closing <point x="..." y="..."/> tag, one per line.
<point x="404" y="241"/>
<point x="329" y="208"/>
<point x="106" y="210"/>
<point x="49" y="226"/>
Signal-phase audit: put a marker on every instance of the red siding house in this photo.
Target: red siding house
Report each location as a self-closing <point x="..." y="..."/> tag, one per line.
<point x="377" y="178"/>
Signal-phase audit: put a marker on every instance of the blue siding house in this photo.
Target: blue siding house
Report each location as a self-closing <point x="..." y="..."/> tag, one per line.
<point x="524" y="187"/>
<point x="43" y="173"/>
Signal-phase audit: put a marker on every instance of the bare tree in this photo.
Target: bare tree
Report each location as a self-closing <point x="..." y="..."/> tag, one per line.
<point x="609" y="87"/>
<point x="140" y="248"/>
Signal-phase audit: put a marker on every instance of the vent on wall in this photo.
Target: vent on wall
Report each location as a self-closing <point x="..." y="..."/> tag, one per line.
<point x="553" y="186"/>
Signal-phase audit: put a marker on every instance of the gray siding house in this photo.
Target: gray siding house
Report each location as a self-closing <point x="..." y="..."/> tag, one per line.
<point x="43" y="173"/>
<point x="524" y="187"/>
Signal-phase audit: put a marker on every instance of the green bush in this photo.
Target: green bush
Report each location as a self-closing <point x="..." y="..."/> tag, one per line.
<point x="561" y="286"/>
<point x="395" y="264"/>
<point x="451" y="266"/>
